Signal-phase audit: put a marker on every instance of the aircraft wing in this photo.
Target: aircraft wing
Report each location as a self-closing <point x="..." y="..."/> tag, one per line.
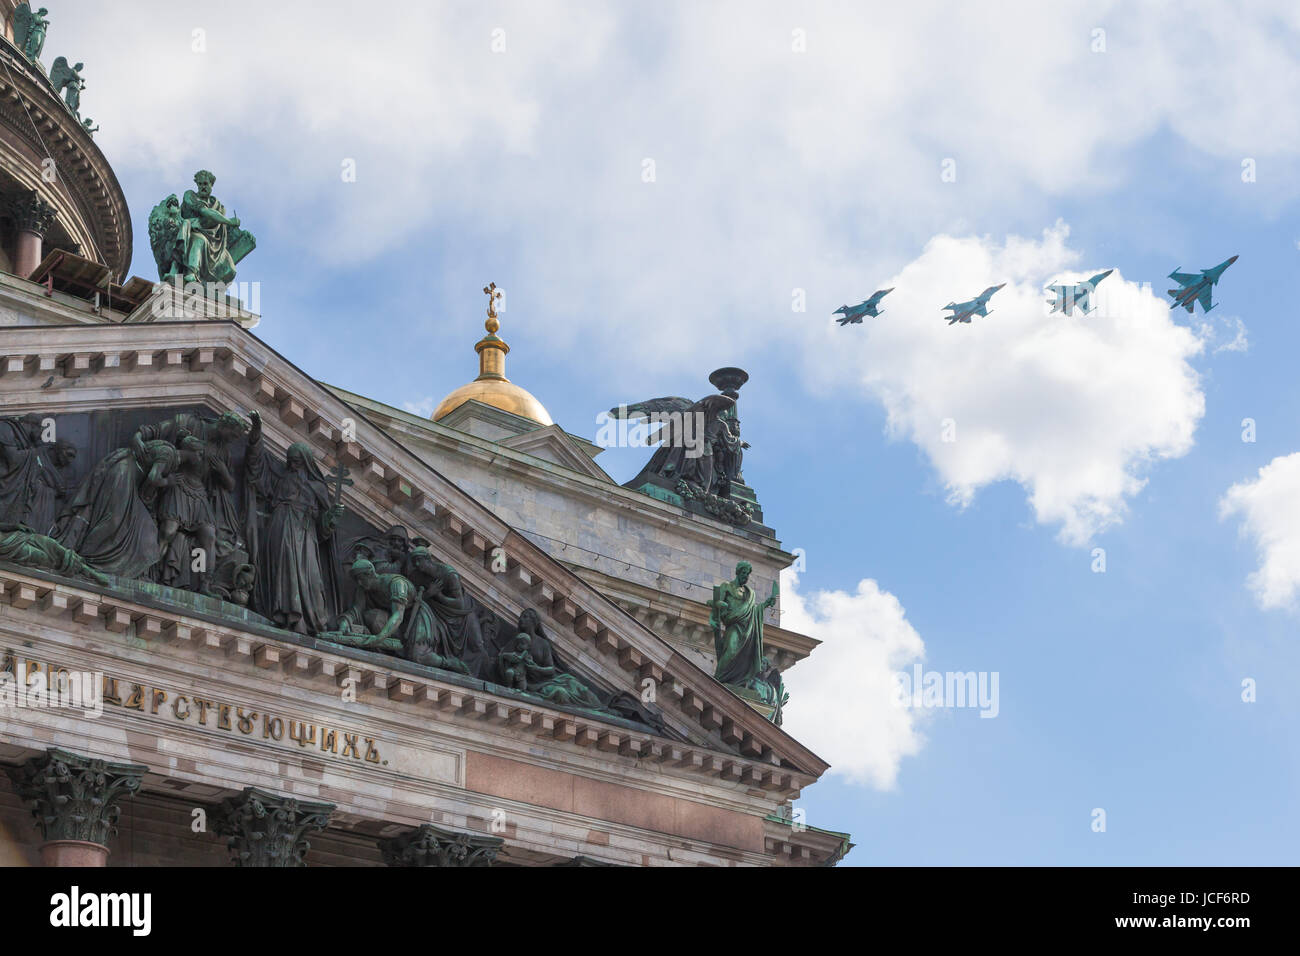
<point x="1205" y="299"/>
<point x="1184" y="278"/>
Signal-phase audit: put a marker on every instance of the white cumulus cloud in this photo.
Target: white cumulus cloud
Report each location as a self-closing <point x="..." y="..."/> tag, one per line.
<point x="1269" y="509"/>
<point x="1073" y="408"/>
<point x="843" y="697"/>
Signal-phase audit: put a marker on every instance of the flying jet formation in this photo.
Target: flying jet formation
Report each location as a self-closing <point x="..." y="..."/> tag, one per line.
<point x="1197" y="288"/>
<point x="962" y="311"/>
<point x="1069" y="296"/>
<point x="854" y="313"/>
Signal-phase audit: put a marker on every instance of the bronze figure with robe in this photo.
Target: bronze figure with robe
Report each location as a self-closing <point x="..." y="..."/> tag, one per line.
<point x="214" y="242"/>
<point x="292" y="535"/>
<point x="32" y="486"/>
<point x="387" y="614"/>
<point x="737" y="621"/>
<point x="22" y="546"/>
<point x="454" y="612"/>
<point x="217" y="436"/>
<point x="107" y="519"/>
<point x="528" y="662"/>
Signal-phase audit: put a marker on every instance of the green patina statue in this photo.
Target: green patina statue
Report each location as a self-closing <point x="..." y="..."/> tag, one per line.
<point x="22" y="546"/>
<point x="198" y="506"/>
<point x="108" y="519"/>
<point x="528" y="663"/>
<point x="770" y="689"/>
<point x="216" y="243"/>
<point x="737" y="622"/>
<point x="389" y="614"/>
<point x="30" y="29"/>
<point x="67" y="80"/>
<point x="457" y="632"/>
<point x="32" y="473"/>
<point x="291" y="535"/>
<point x="194" y="240"/>
<point x="736" y="617"/>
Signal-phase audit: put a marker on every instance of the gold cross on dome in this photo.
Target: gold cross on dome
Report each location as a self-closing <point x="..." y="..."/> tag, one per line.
<point x="493" y="293"/>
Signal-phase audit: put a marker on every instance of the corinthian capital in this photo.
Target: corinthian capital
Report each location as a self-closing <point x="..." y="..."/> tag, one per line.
<point x="75" y="797"/>
<point x="30" y="212"/>
<point x="266" y="829"/>
<point x="428" y="845"/>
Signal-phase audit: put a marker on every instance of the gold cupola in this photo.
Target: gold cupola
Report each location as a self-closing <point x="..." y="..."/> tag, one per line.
<point x="492" y="387"/>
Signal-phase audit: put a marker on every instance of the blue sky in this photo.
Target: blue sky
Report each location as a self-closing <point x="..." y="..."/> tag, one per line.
<point x="778" y="169"/>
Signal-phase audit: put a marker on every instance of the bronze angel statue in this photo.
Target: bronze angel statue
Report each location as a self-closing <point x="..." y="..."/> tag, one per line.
<point x="696" y="440"/>
<point x="67" y="80"/>
<point x="29" y="30"/>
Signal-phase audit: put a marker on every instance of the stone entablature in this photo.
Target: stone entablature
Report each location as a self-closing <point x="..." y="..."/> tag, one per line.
<point x="218" y="364"/>
<point x="370" y="676"/>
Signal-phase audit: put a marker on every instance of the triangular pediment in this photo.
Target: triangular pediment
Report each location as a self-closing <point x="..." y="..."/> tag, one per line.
<point x="218" y="365"/>
<point x="551" y="443"/>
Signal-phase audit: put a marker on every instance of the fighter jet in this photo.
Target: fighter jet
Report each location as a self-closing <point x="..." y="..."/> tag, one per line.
<point x="962" y="311"/>
<point x="854" y="313"/>
<point x="1069" y="296"/>
<point x="1197" y="288"/>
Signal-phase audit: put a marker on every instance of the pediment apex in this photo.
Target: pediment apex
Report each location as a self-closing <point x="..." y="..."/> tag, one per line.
<point x="552" y="443"/>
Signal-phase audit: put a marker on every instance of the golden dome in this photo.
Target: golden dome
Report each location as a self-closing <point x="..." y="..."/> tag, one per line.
<point x="492" y="387"/>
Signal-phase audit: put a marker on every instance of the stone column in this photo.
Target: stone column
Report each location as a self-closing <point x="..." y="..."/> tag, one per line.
<point x="74" y="800"/>
<point x="266" y="829"/>
<point x="32" y="216"/>
<point x="428" y="845"/>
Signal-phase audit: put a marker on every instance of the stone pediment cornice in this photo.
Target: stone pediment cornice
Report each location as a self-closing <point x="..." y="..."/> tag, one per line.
<point x="221" y="365"/>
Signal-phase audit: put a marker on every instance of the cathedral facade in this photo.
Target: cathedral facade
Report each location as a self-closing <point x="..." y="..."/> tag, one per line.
<point x="247" y="617"/>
